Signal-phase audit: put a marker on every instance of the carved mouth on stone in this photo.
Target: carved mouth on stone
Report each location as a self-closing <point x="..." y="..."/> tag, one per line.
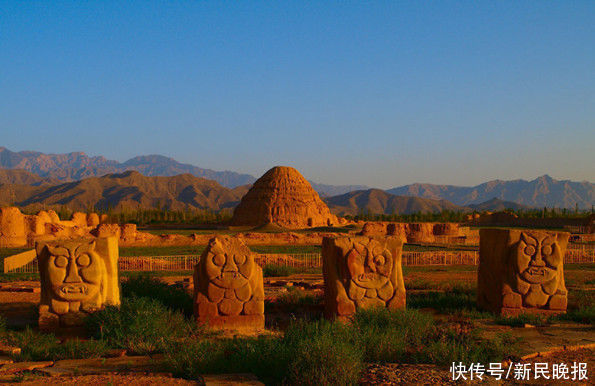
<point x="368" y="276"/>
<point x="536" y="271"/>
<point x="229" y="275"/>
<point x="74" y="289"/>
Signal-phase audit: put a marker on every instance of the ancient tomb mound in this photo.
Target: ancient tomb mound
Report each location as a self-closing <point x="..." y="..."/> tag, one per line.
<point x="284" y="197"/>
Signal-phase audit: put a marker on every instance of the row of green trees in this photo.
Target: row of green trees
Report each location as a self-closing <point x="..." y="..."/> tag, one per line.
<point x="205" y="216"/>
<point x="457" y="216"/>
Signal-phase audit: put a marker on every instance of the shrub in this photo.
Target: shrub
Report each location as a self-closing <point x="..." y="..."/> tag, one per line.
<point x="323" y="352"/>
<point x="36" y="346"/>
<point x="325" y="360"/>
<point x="295" y="297"/>
<point x="140" y="325"/>
<point x="309" y="353"/>
<point x="468" y="347"/>
<point x="174" y="298"/>
<point x="580" y="315"/>
<point x="456" y="299"/>
<point x="272" y="270"/>
<point x="386" y="335"/>
<point x="522" y="319"/>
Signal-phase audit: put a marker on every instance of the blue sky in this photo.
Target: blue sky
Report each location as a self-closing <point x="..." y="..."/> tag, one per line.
<point x="376" y="93"/>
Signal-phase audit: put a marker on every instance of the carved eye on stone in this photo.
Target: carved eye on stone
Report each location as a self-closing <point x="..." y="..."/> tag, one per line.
<point x="547" y="250"/>
<point x="529" y="250"/>
<point x="61" y="261"/>
<point x="379" y="260"/>
<point x="83" y="260"/>
<point x="219" y="260"/>
<point x="239" y="259"/>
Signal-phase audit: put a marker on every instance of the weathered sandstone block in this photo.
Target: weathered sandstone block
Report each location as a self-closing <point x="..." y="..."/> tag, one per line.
<point x="128" y="232"/>
<point x="93" y="220"/>
<point x="228" y="286"/>
<point x="106" y="230"/>
<point x="79" y="219"/>
<point x="35" y="225"/>
<point x="420" y="233"/>
<point x="44" y="216"/>
<point x="521" y="271"/>
<point x="77" y="277"/>
<point x="374" y="229"/>
<point x="54" y="218"/>
<point x="398" y="229"/>
<point x="13" y="232"/>
<point x="446" y="229"/>
<point x="362" y="272"/>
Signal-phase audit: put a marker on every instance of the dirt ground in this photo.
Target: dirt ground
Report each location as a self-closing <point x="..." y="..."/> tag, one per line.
<point x="407" y="374"/>
<point x="18" y="303"/>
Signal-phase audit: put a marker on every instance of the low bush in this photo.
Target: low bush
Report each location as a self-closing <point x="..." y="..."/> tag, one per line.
<point x="323" y="352"/>
<point x="140" y="325"/>
<point x="386" y="335"/>
<point x="522" y="319"/>
<point x="36" y="346"/>
<point x="295" y="298"/>
<point x="310" y="353"/>
<point x="174" y="298"/>
<point x="272" y="270"/>
<point x="456" y="299"/>
<point x="450" y="345"/>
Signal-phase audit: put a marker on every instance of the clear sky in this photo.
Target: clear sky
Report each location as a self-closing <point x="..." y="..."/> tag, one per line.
<point x="376" y="93"/>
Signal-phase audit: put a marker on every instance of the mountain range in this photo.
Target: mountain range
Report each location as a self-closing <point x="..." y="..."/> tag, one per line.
<point x="132" y="190"/>
<point x="378" y="201"/>
<point x="128" y="190"/>
<point x="77" y="165"/>
<point x="541" y="192"/>
<point x="30" y="171"/>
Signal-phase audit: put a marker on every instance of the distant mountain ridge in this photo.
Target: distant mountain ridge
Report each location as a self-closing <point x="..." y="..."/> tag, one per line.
<point x="77" y="165"/>
<point x="132" y="190"/>
<point x="128" y="190"/>
<point x="57" y="168"/>
<point x="376" y="201"/>
<point x="540" y="192"/>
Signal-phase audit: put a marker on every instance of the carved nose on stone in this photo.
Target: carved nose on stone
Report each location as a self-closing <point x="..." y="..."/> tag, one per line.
<point x="73" y="275"/>
<point x="538" y="261"/>
<point x="230" y="265"/>
<point x="370" y="263"/>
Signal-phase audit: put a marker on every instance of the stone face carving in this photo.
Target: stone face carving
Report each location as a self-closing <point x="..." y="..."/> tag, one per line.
<point x="362" y="272"/>
<point x="228" y="286"/>
<point x="77" y="277"/>
<point x="522" y="271"/>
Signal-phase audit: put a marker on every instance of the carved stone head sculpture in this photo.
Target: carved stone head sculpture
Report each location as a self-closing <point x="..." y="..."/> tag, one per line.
<point x="228" y="286"/>
<point x="362" y="272"/>
<point x="77" y="277"/>
<point x="522" y="271"/>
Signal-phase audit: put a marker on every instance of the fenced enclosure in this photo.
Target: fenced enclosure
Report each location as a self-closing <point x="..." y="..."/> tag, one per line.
<point x="302" y="260"/>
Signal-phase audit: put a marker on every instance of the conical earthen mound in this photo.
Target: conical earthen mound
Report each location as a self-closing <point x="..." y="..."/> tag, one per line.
<point x="284" y="197"/>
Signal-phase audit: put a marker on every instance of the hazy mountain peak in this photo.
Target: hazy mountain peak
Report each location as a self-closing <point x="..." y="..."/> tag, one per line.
<point x="540" y="192"/>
